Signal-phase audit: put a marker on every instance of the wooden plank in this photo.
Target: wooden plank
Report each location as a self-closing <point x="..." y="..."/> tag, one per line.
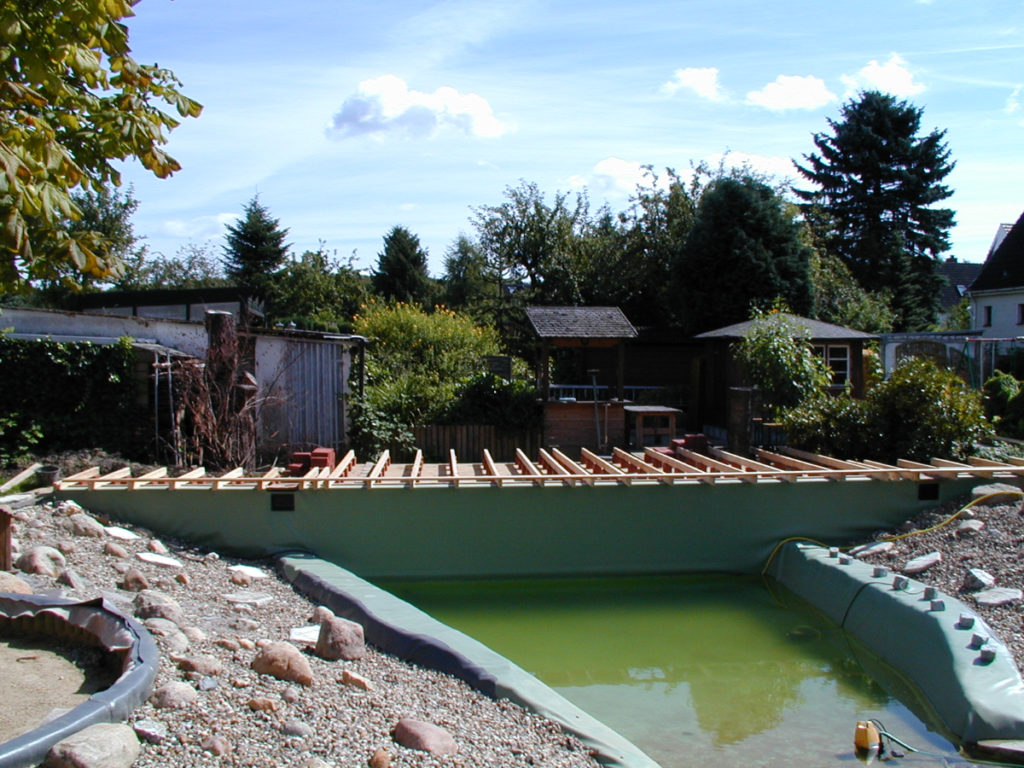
<point x="153" y="474"/>
<point x="416" y="469"/>
<point x="908" y="464"/>
<point x="344" y="466"/>
<point x="492" y="470"/>
<point x="640" y="466"/>
<point x="227" y="477"/>
<point x="85" y="474"/>
<point x="754" y="466"/>
<point x="596" y="463"/>
<point x="379" y="468"/>
<point x="527" y="467"/>
<point x="894" y="474"/>
<point x="790" y="462"/>
<point x="453" y="464"/>
<point x="553" y="467"/>
<point x="26" y="473"/>
<point x="977" y="461"/>
<point x="967" y="468"/>
<point x="656" y="457"/>
<point x="572" y="467"/>
<point x="816" y="458"/>
<point x="701" y="459"/>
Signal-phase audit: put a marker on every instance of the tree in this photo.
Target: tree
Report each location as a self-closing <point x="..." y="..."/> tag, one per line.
<point x="876" y="182"/>
<point x="839" y="298"/>
<point x="402" y="269"/>
<point x="316" y="292"/>
<point x="745" y="247"/>
<point x="72" y="100"/>
<point x="193" y="266"/>
<point x="255" y="248"/>
<point x="469" y="284"/>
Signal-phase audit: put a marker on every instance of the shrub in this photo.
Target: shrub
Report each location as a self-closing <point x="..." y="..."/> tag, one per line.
<point x="1003" y="404"/>
<point x="490" y="399"/>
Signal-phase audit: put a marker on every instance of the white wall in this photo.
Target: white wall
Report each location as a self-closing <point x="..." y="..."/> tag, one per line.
<point x="1005" y="313"/>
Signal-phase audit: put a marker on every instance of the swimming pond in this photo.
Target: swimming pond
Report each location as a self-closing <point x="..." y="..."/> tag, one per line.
<point x="695" y="670"/>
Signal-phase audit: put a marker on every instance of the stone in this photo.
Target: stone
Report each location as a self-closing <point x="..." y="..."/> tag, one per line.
<point x="157" y="546"/>
<point x="285" y="662"/>
<point x="204" y="664"/>
<point x="183" y="578"/>
<point x="104" y="745"/>
<point x="194" y="634"/>
<point x="998" y="596"/>
<point x="208" y="683"/>
<point x="262" y="704"/>
<point x="72" y="579"/>
<point x="969" y="527"/>
<point x="320" y="614"/>
<point x="123" y="534"/>
<point x="340" y="639"/>
<point x="174" y="695"/>
<point x="69" y="507"/>
<point x="11" y="583"/>
<point x="296" y="728"/>
<point x="1000" y="493"/>
<point x="216" y="745"/>
<point x="291" y="694"/>
<point x="307" y="635"/>
<point x="41" y="560"/>
<point x="875" y="548"/>
<point x="154" y="558"/>
<point x="241" y="579"/>
<point x="978" y="579"/>
<point x="114" y="549"/>
<point x="227" y="643"/>
<point x="249" y="597"/>
<point x="426" y="737"/>
<point x="67" y="547"/>
<point x="246" y="625"/>
<point x="82" y="524"/>
<point x="313" y="762"/>
<point x="151" y="731"/>
<point x="355" y="680"/>
<point x="246" y="643"/>
<point x="134" y="581"/>
<point x="922" y="563"/>
<point x="380" y="759"/>
<point x="153" y="604"/>
<point x="249" y="570"/>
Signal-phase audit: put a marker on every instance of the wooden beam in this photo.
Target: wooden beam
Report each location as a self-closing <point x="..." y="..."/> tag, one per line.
<point x="527" y="467"/>
<point x="85" y="474"/>
<point x="553" y="467"/>
<point x="225" y="479"/>
<point x="596" y="463"/>
<point x="417" y="464"/>
<point x="186" y="478"/>
<point x="379" y="468"/>
<point x="816" y="458"/>
<point x="789" y="462"/>
<point x="344" y="466"/>
<point x="656" y="457"/>
<point x="26" y="473"/>
<point x="701" y="459"/>
<point x="491" y="468"/>
<point x="765" y="470"/>
<point x="908" y="464"/>
<point x="640" y="466"/>
<point x="572" y="467"/>
<point x="894" y="474"/>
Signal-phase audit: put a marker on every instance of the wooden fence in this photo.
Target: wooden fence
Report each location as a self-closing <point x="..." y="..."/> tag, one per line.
<point x="469" y="441"/>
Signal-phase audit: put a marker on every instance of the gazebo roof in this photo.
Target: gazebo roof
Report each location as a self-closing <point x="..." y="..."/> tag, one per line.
<point x="816" y="329"/>
<point x="580" y="323"/>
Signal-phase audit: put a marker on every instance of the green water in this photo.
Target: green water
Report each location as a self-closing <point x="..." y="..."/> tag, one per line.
<point x="696" y="671"/>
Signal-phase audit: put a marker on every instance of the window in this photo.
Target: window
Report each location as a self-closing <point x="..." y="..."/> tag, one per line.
<point x="988" y="316"/>
<point x="1020" y="314"/>
<point x="836" y="357"/>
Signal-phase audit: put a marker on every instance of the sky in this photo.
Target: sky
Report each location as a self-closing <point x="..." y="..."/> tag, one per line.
<point x="350" y="118"/>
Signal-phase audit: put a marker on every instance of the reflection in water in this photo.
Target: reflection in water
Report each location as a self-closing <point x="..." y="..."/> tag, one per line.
<point x="689" y="668"/>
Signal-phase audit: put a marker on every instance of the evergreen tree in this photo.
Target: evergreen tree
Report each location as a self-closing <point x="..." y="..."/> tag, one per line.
<point x="875" y="182"/>
<point x="255" y="249"/>
<point x="402" y="269"/>
<point x="745" y="248"/>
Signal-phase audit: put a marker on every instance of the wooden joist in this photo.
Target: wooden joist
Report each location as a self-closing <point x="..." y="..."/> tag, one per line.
<point x="572" y="467"/>
<point x="749" y="465"/>
<point x="379" y="468"/>
<point x="549" y="463"/>
<point x="528" y="468"/>
<point x="678" y="465"/>
<point x="637" y="465"/>
<point x="602" y="466"/>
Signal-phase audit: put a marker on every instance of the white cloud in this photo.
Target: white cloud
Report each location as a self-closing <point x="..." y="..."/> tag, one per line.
<point x="386" y="104"/>
<point x="702" y="81"/>
<point x="792" y="92"/>
<point x="779" y="168"/>
<point x="892" y="77"/>
<point x="612" y="176"/>
<point x="1013" y="101"/>
<point x="199" y="227"/>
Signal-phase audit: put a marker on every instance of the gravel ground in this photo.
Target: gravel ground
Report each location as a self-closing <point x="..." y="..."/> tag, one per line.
<point x="260" y="720"/>
<point x="994" y="546"/>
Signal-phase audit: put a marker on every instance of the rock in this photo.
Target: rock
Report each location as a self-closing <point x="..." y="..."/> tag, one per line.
<point x="67" y="547"/>
<point x="121" y="568"/>
<point x="150" y="604"/>
<point x="152" y="731"/>
<point x="307" y="635"/>
<point x="426" y="737"/>
<point x="296" y="728"/>
<point x="285" y="662"/>
<point x="969" y="527"/>
<point x="72" y="579"/>
<point x="216" y="745"/>
<point x="239" y="682"/>
<point x="262" y="704"/>
<point x="875" y="548"/>
<point x="998" y="596"/>
<point x="203" y="664"/>
<point x="174" y="695"/>
<point x="157" y="559"/>
<point x="1001" y="493"/>
<point x="340" y="639"/>
<point x="248" y="597"/>
<point x="157" y="546"/>
<point x="241" y="579"/>
<point x="194" y="634"/>
<point x="922" y="563"/>
<point x="227" y="643"/>
<point x="11" y="583"/>
<point x="290" y="694"/>
<point x="313" y="762"/>
<point x="246" y="625"/>
<point x="114" y="549"/>
<point x="380" y="759"/>
<point x="134" y="581"/>
<point x="246" y="643"/>
<point x="183" y="578"/>
<point x="208" y="684"/>
<point x="355" y="680"/>
<point x="978" y="579"/>
<point x="249" y="570"/>
<point x="104" y="745"/>
<point x="82" y="524"/>
<point x="123" y="534"/>
<point x="69" y="507"/>
<point x="320" y="614"/>
<point x="45" y="561"/>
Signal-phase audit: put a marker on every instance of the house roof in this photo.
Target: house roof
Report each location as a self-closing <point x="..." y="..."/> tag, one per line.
<point x="1004" y="267"/>
<point x="958" y="276"/>
<point x="580" y="323"/>
<point x="818" y="330"/>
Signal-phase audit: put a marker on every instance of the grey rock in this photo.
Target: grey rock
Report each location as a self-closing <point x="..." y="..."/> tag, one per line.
<point x="978" y="579"/>
<point x="296" y="728"/>
<point x="45" y="561"/>
<point x="105" y="745"/>
<point x="249" y="597"/>
<point x="969" y="527"/>
<point x="82" y="524"/>
<point x="340" y="639"/>
<point x="998" y="596"/>
<point x="922" y="563"/>
<point x="207" y="683"/>
<point x="153" y="604"/>
<point x="72" y="579"/>
<point x="174" y="695"/>
<point x="875" y="548"/>
<point x="151" y="731"/>
<point x="1001" y="493"/>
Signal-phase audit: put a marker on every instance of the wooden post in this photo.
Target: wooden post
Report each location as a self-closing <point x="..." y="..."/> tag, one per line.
<point x="5" y="539"/>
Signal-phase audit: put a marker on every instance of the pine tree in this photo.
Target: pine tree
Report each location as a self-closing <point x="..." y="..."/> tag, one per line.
<point x="402" y="269"/>
<point x="255" y="249"/>
<point x="875" y="182"/>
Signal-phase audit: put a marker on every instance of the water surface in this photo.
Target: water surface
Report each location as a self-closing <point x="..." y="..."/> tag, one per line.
<point x="695" y="670"/>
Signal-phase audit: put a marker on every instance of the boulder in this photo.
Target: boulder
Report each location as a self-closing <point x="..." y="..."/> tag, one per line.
<point x="134" y="581"/>
<point x="999" y="493"/>
<point x="340" y="639"/>
<point x="153" y="604"/>
<point x="174" y="695"/>
<point x="380" y="759"/>
<point x="114" y="549"/>
<point x="82" y="524"/>
<point x="45" y="561"/>
<point x="283" y="661"/>
<point x="104" y="745"/>
<point x="978" y="579"/>
<point x="11" y="583"/>
<point x="426" y="737"/>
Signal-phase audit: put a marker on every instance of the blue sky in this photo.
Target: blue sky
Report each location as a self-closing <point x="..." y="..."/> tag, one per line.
<point x="348" y="118"/>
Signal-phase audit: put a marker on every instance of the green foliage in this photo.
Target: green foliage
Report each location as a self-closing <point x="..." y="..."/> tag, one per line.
<point x="18" y="437"/>
<point x="1004" y="404"/>
<point x="254" y="249"/>
<point x="745" y="246"/>
<point x="490" y="399"/>
<point x="72" y="101"/>
<point x="402" y="269"/>
<point x="373" y="428"/>
<point x="778" y="359"/>
<point x="839" y="299"/>
<point x="65" y="395"/>
<point x="922" y="411"/>
<point x="469" y="284"/>
<point x="416" y="365"/>
<point x="959" y="318"/>
<point x="193" y="266"/>
<point x="316" y="292"/>
<point x="875" y="182"/>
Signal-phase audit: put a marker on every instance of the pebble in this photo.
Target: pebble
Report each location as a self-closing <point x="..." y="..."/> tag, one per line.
<point x="922" y="563"/>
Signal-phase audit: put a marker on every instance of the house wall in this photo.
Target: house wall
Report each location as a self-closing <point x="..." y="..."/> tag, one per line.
<point x="570" y="426"/>
<point x="1004" y="311"/>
